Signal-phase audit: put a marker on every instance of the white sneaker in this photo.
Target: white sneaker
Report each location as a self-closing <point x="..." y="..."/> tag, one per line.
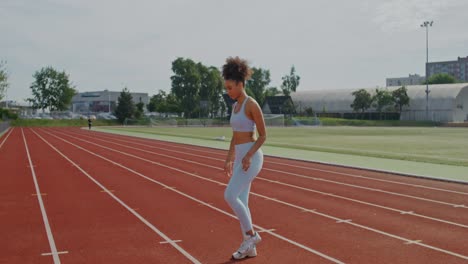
<point x="249" y="254"/>
<point x="248" y="247"/>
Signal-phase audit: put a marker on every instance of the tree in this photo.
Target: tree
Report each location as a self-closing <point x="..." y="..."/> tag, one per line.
<point x="211" y="90"/>
<point x="173" y="104"/>
<point x="441" y="78"/>
<point x="186" y="83"/>
<point x="157" y="102"/>
<point x="216" y="84"/>
<point x="362" y="100"/>
<point x="51" y="89"/>
<point x="125" y="108"/>
<point x="3" y="80"/>
<point x="272" y="91"/>
<point x="309" y="111"/>
<point x="139" y="109"/>
<point x="400" y="98"/>
<point x="382" y="99"/>
<point x="288" y="107"/>
<point x="257" y="84"/>
<point x="290" y="82"/>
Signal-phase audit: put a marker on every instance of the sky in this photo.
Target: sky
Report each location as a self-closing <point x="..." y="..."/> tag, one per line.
<point x="334" y="44"/>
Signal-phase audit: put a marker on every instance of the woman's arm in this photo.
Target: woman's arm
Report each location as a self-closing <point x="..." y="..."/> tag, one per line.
<point x="257" y="117"/>
<point x="230" y="158"/>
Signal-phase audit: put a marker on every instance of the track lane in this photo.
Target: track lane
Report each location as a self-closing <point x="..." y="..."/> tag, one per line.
<point x="24" y="238"/>
<point x="185" y="218"/>
<point x="95" y="150"/>
<point x="442" y="211"/>
<point x="87" y="223"/>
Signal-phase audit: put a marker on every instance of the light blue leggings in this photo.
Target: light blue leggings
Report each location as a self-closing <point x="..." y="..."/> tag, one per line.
<point x="238" y="189"/>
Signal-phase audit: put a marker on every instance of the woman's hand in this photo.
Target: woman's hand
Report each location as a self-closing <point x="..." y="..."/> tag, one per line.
<point x="246" y="162"/>
<point x="228" y="168"/>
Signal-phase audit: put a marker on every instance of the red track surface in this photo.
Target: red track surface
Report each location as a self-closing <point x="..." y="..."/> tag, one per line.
<point x="114" y="199"/>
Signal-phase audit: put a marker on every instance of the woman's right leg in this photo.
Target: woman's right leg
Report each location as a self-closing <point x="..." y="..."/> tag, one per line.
<point x="238" y="184"/>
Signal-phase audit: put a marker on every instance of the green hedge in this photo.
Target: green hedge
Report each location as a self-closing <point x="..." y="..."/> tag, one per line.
<point x="7" y="114"/>
<point x="357" y="122"/>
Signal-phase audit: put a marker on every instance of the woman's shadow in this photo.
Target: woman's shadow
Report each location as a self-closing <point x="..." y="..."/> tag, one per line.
<point x="231" y="261"/>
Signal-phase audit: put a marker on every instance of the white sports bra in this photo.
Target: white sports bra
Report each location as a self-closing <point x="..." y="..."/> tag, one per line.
<point x="239" y="121"/>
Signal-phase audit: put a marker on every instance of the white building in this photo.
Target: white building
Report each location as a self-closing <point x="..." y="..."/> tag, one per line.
<point x="101" y="101"/>
<point x="447" y="102"/>
<point x="412" y="79"/>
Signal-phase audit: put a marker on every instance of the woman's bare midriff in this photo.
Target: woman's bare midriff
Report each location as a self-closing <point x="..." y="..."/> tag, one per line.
<point x="243" y="137"/>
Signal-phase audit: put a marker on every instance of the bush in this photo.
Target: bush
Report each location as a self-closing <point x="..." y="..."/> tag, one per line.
<point x="7" y="114"/>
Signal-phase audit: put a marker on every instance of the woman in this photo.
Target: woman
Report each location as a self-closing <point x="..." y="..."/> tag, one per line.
<point x="245" y="158"/>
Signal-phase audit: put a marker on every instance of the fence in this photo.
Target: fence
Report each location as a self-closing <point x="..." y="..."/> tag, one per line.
<point x="4" y="126"/>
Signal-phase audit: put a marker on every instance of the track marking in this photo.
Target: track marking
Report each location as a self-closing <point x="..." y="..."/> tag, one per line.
<point x="409" y="212"/>
<point x="266" y="231"/>
<point x="194" y="148"/>
<point x="344" y="221"/>
<point x="141" y="218"/>
<point x="413" y="242"/>
<point x="4" y="140"/>
<point x="256" y="194"/>
<point x="281" y="183"/>
<point x="172" y="241"/>
<point x="50" y="237"/>
<point x="39" y="194"/>
<point x="59" y="253"/>
<point x="107" y="191"/>
<point x="283" y="172"/>
<point x="194" y="199"/>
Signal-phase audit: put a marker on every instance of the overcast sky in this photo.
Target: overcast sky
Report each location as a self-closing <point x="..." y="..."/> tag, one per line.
<point x="334" y="44"/>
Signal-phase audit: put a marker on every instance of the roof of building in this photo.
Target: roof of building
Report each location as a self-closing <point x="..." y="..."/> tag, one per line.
<point x="441" y="95"/>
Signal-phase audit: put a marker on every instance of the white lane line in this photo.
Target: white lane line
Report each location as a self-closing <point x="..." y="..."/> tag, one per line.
<point x="266" y="230"/>
<point x="4" y="140"/>
<point x="413" y="242"/>
<point x="177" y="145"/>
<point x="256" y="194"/>
<point x="408" y="212"/>
<point x="343" y="221"/>
<point x="370" y="204"/>
<point x="364" y="188"/>
<point x="50" y="236"/>
<point x="200" y="201"/>
<point x="49" y="254"/>
<point x="291" y="186"/>
<point x="146" y="222"/>
<point x="287" y="173"/>
<point x="172" y="241"/>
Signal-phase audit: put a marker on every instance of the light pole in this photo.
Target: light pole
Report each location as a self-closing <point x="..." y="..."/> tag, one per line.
<point x="427" y="24"/>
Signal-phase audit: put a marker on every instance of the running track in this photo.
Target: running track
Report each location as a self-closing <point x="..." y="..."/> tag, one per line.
<point x="75" y="196"/>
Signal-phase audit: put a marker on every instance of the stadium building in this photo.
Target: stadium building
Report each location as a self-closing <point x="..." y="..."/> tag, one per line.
<point x="101" y="101"/>
<point x="447" y="102"/>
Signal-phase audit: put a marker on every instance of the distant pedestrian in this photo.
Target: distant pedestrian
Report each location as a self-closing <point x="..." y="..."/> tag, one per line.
<point x="90" y="123"/>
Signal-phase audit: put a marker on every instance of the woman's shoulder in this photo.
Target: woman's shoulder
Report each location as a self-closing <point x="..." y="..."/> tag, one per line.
<point x="252" y="101"/>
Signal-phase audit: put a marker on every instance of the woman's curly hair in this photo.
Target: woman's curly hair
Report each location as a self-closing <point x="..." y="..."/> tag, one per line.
<point x="236" y="69"/>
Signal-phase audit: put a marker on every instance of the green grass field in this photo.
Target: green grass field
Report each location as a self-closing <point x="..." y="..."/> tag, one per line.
<point x="425" y="144"/>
